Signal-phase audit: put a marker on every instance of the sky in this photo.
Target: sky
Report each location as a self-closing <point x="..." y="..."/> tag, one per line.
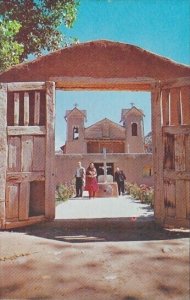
<point x="159" y="26"/>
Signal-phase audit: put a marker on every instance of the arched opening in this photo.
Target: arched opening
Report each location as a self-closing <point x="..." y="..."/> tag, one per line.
<point x="134" y="129"/>
<point x="75" y="133"/>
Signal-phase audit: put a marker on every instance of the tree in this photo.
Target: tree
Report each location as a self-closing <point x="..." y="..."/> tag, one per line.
<point x="10" y="50"/>
<point x="40" y="21"/>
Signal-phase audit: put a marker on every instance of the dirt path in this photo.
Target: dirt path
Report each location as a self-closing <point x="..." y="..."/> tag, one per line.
<point x="74" y="262"/>
<point x="121" y="207"/>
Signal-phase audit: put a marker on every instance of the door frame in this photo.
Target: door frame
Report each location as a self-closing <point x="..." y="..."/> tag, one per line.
<point x="153" y="86"/>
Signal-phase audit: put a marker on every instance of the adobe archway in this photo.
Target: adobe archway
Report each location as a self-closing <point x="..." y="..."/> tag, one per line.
<point x="105" y="65"/>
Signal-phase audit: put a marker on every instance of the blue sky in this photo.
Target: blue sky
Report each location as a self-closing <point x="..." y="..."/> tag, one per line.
<point x="159" y="26"/>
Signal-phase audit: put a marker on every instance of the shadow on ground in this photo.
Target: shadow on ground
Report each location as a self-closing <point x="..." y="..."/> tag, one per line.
<point x="103" y="230"/>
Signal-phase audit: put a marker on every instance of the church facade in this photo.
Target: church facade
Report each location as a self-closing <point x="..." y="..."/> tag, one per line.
<point x="123" y="142"/>
<point x="105" y="134"/>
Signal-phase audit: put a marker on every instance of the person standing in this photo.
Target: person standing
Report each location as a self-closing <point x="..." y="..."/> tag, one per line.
<point x="120" y="179"/>
<point x="80" y="180"/>
<point x="91" y="180"/>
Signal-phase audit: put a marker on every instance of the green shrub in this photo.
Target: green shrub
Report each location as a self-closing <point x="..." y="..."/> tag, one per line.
<point x="128" y="186"/>
<point x="135" y="191"/>
<point x="143" y="192"/>
<point x="64" y="191"/>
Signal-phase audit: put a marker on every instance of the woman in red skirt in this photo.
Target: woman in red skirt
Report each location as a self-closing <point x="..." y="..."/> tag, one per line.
<point x="91" y="181"/>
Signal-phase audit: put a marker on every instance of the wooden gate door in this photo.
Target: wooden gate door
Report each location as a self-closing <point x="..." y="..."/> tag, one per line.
<point x="171" y="144"/>
<point x="27" y="154"/>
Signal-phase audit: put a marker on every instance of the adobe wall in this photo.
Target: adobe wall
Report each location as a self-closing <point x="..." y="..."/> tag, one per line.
<point x="97" y="59"/>
<point x="111" y="147"/>
<point x="131" y="164"/>
<point x="78" y="146"/>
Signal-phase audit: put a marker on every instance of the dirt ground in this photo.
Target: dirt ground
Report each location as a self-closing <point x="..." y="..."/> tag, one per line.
<point x="78" y="260"/>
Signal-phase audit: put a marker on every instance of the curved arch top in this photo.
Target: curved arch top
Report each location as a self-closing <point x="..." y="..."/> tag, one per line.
<point x="101" y="60"/>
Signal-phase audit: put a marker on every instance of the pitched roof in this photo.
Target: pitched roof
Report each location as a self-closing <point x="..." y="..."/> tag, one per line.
<point x="133" y="109"/>
<point x="105" y="129"/>
<point x="75" y="109"/>
<point x="107" y="121"/>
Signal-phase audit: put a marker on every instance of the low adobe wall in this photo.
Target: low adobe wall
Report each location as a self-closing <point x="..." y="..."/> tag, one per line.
<point x="133" y="165"/>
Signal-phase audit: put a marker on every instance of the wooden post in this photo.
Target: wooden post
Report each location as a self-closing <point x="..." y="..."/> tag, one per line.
<point x="50" y="151"/>
<point x="3" y="151"/>
<point x="37" y="108"/>
<point x="16" y="108"/>
<point x="175" y="109"/>
<point x="157" y="153"/>
<point x="185" y="100"/>
<point x="26" y="109"/>
<point x="165" y="107"/>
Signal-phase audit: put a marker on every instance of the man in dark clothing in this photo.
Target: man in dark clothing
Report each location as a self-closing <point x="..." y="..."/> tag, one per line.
<point x="80" y="180"/>
<point x="120" y="179"/>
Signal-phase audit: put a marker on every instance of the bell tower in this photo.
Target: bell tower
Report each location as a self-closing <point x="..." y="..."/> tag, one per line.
<point x="134" y="125"/>
<point x="75" y="142"/>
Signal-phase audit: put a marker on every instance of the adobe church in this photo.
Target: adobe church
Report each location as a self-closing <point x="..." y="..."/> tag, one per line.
<point x="105" y="134"/>
<point x="124" y="144"/>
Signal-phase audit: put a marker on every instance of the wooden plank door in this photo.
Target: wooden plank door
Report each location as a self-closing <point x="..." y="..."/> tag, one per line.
<point x="171" y="151"/>
<point x="29" y="158"/>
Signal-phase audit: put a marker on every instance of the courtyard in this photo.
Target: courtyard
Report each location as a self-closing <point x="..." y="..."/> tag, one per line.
<point x="116" y="207"/>
<point x="105" y="248"/>
<point x="78" y="261"/>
